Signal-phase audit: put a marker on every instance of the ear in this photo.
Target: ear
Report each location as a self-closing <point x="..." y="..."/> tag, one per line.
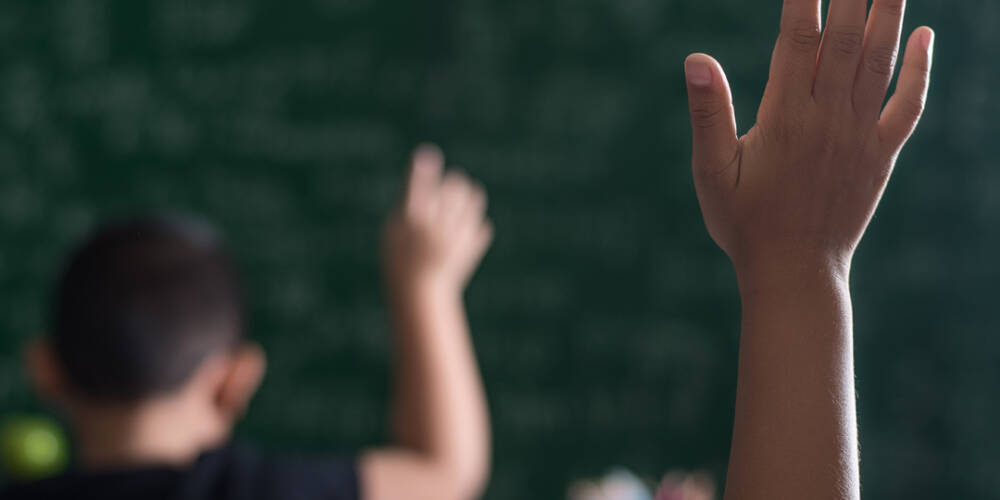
<point x="241" y="380"/>
<point x="45" y="372"/>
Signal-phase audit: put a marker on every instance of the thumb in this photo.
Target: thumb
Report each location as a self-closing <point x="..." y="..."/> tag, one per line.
<point x="713" y="123"/>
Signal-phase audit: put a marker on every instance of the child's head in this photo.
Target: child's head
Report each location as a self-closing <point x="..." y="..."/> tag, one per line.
<point x="148" y="313"/>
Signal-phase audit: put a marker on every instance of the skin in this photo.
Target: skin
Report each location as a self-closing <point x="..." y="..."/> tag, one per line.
<point x="789" y="202"/>
<point x="433" y="244"/>
<point x="170" y="429"/>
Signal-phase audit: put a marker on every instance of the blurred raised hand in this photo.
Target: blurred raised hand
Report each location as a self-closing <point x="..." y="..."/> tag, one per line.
<point x="433" y="243"/>
<point x="439" y="233"/>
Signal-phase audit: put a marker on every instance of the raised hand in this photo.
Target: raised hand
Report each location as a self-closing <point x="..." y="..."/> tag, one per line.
<point x="803" y="183"/>
<point x="433" y="243"/>
<point x="789" y="202"/>
<point x="439" y="233"/>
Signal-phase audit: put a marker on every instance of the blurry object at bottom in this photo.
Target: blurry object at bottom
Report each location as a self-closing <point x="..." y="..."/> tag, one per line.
<point x="31" y="448"/>
<point x="681" y="486"/>
<point x="620" y="484"/>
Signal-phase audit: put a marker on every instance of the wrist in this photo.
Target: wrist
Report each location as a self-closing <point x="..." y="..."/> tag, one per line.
<point x="791" y="273"/>
<point x="421" y="286"/>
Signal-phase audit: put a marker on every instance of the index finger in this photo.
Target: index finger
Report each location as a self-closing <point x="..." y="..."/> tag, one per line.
<point x="793" y="65"/>
<point x="425" y="176"/>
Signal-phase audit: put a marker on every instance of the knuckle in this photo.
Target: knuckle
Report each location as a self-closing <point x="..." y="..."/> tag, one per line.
<point x="894" y="7"/>
<point x="802" y="35"/>
<point x="881" y="60"/>
<point x="706" y="174"/>
<point x="706" y="115"/>
<point x="921" y="66"/>
<point x="847" y="41"/>
<point x="712" y="170"/>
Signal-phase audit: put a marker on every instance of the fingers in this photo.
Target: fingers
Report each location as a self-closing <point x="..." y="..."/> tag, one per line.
<point x="483" y="239"/>
<point x="425" y="177"/>
<point x="793" y="67"/>
<point x="475" y="210"/>
<point x="904" y="109"/>
<point x="713" y="122"/>
<point x="459" y="199"/>
<point x="840" y="53"/>
<point x="462" y="212"/>
<point x="447" y="199"/>
<point x="878" y="61"/>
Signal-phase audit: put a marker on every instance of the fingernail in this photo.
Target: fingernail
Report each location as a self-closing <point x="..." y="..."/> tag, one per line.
<point x="928" y="39"/>
<point x="698" y="72"/>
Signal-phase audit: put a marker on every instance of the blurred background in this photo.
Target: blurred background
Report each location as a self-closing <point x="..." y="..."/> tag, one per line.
<point x="605" y="319"/>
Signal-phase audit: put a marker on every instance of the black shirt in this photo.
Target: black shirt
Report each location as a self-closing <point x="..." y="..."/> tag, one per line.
<point x="231" y="473"/>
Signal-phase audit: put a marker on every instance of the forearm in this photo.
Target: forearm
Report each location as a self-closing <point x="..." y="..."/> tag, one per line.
<point x="795" y="430"/>
<point x="440" y="409"/>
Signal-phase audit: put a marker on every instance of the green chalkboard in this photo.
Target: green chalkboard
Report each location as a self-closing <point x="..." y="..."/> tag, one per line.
<point x="604" y="318"/>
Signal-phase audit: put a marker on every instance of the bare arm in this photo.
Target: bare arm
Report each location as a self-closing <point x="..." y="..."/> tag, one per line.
<point x="432" y="246"/>
<point x="789" y="203"/>
<point x="795" y="431"/>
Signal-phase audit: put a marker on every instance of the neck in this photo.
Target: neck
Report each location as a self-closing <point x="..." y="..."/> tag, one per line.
<point x="156" y="433"/>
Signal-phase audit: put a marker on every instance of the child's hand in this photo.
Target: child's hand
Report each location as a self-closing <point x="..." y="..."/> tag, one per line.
<point x="439" y="234"/>
<point x="802" y="185"/>
<point x="432" y="245"/>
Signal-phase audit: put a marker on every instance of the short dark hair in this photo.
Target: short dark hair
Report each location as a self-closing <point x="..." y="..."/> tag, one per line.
<point x="141" y="303"/>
